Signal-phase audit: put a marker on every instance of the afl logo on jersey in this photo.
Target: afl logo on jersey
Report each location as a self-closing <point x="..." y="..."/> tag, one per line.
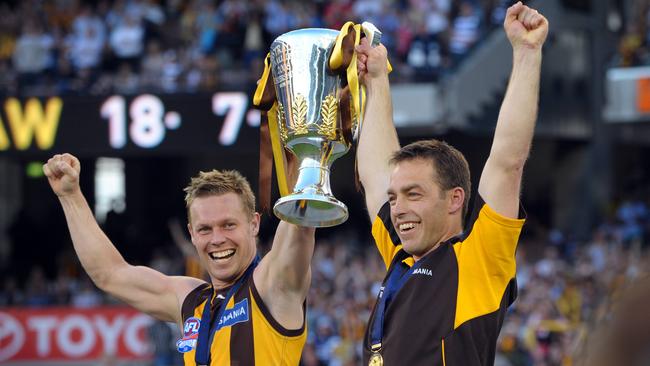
<point x="190" y="335"/>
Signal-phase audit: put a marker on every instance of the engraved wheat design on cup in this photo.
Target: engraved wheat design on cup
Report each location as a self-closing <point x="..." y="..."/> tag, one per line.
<point x="299" y="115"/>
<point x="328" y="112"/>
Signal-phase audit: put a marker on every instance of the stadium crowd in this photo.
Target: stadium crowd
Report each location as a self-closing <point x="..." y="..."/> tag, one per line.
<point x="125" y="46"/>
<point x="565" y="286"/>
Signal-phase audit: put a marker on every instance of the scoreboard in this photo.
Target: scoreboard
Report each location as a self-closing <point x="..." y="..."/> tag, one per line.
<point x="136" y="124"/>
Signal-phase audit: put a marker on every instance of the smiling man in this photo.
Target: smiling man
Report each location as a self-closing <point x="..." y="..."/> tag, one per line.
<point x="252" y="312"/>
<point x="447" y="288"/>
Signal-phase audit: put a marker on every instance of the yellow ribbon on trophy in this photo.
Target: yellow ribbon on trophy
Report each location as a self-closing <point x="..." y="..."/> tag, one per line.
<point x="343" y="61"/>
<point x="344" y="56"/>
<point x="265" y="100"/>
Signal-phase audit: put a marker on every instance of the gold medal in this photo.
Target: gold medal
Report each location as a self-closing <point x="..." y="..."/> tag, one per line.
<point x="376" y="360"/>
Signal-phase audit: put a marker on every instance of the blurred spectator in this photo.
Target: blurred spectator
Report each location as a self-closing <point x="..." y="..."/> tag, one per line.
<point x="32" y="54"/>
<point x="88" y="21"/>
<point x="548" y="266"/>
<point x="254" y="44"/>
<point x="10" y="294"/>
<point x="630" y="47"/>
<point x="86" y="50"/>
<point x="153" y="64"/>
<point x="325" y="340"/>
<point x="8" y="22"/>
<point x="597" y="251"/>
<point x="8" y="82"/>
<point x="184" y="245"/>
<point x="86" y="295"/>
<point x="207" y="23"/>
<point x="464" y="30"/>
<point x="36" y="290"/>
<point x="632" y="214"/>
<point x="336" y="13"/>
<point x="388" y="21"/>
<point x="368" y="9"/>
<point x="152" y="12"/>
<point x="425" y="55"/>
<point x="496" y="11"/>
<point x="278" y="18"/>
<point x="163" y="337"/>
<point x="126" y="81"/>
<point x="437" y="18"/>
<point x="127" y="41"/>
<point x="228" y="46"/>
<point x="171" y="71"/>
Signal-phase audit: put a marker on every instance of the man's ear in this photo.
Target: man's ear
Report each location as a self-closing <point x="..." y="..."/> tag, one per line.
<point x="456" y="197"/>
<point x="189" y="228"/>
<point x="255" y="223"/>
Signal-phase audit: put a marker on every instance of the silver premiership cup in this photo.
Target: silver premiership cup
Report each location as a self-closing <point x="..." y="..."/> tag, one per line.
<point x="309" y="121"/>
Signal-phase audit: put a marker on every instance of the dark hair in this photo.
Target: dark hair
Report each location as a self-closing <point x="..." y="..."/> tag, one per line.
<point x="449" y="165"/>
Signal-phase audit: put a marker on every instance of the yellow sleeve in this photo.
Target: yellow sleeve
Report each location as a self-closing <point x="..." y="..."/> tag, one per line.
<point x="385" y="235"/>
<point x="486" y="263"/>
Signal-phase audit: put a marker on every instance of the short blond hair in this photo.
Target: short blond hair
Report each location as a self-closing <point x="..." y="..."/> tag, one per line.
<point x="216" y="183"/>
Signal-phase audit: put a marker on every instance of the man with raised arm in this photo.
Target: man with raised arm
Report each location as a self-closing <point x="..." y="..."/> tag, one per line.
<point x="447" y="286"/>
<point x="253" y="310"/>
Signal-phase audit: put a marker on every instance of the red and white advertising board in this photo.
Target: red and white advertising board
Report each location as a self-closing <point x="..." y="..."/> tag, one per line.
<point x="71" y="334"/>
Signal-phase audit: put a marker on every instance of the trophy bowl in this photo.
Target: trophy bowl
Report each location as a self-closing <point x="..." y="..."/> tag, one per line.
<point x="310" y="124"/>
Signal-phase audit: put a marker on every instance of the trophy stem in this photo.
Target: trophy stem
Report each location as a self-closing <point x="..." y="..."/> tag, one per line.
<point x="312" y="203"/>
<point x="313" y="178"/>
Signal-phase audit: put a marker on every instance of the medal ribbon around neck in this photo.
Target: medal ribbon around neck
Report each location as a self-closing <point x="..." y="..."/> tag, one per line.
<point x="396" y="280"/>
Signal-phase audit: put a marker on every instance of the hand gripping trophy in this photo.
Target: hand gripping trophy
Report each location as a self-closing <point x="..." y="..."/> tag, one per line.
<point x="313" y="109"/>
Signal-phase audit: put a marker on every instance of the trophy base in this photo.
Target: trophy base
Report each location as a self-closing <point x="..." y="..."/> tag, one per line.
<point x="311" y="210"/>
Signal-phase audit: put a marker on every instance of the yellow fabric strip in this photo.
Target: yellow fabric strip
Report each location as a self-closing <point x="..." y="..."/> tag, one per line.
<point x="259" y="92"/>
<point x="387" y="249"/>
<point x="357" y="91"/>
<point x="444" y="362"/>
<point x="278" y="151"/>
<point x="409" y="261"/>
<point x="353" y="76"/>
<point x="336" y="60"/>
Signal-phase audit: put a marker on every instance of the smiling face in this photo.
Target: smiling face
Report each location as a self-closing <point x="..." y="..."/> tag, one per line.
<point x="224" y="235"/>
<point x="422" y="213"/>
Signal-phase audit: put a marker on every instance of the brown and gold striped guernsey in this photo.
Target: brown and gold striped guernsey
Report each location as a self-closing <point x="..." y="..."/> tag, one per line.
<point x="450" y="310"/>
<point x="254" y="338"/>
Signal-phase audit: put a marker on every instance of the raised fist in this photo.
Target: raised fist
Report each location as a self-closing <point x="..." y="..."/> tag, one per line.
<point x="62" y="172"/>
<point x="371" y="61"/>
<point x="525" y="27"/>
